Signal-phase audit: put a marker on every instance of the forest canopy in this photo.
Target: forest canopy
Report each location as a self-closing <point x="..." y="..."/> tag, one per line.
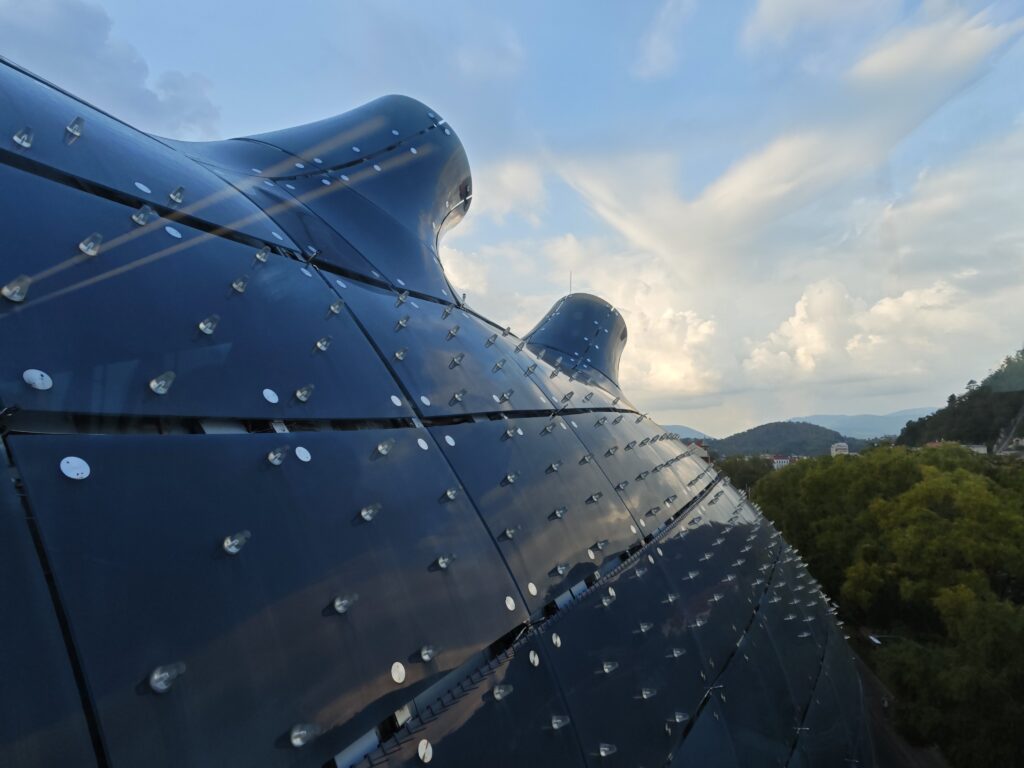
<point x="925" y="547"/>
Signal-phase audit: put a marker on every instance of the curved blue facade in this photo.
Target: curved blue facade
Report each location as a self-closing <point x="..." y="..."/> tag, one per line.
<point x="276" y="497"/>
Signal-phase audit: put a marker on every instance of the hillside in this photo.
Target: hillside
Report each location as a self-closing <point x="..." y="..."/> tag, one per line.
<point x="981" y="415"/>
<point x="866" y="425"/>
<point x="783" y="437"/>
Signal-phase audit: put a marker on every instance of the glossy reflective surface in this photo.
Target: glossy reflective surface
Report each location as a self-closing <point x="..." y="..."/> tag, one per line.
<point x="41" y="718"/>
<point x="281" y="499"/>
<point x="587" y="330"/>
<point x="448" y="360"/>
<point x="257" y="629"/>
<point x="102" y="327"/>
<point x="111" y="154"/>
<point x="554" y="515"/>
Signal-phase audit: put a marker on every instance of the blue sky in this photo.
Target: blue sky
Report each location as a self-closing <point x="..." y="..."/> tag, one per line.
<point x="800" y="206"/>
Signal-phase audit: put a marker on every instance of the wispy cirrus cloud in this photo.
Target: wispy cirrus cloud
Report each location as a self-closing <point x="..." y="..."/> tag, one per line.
<point x="774" y="22"/>
<point x="658" y="52"/>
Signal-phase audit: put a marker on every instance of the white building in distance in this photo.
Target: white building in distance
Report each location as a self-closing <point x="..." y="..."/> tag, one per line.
<point x="840" y="449"/>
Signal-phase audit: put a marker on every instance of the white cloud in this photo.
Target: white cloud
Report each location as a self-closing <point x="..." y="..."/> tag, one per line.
<point x="944" y="49"/>
<point x="965" y="220"/>
<point x="732" y="217"/>
<point x="885" y="288"/>
<point x="71" y="42"/>
<point x="775" y="21"/>
<point x="834" y="336"/>
<point x="467" y="274"/>
<point x="512" y="187"/>
<point x="659" y="47"/>
<point x="495" y="58"/>
<point x="670" y="345"/>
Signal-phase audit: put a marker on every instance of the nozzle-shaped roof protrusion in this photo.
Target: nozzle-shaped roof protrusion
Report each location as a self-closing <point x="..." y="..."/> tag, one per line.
<point x="586" y="328"/>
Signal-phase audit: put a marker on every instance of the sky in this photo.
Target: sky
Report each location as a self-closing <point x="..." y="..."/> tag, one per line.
<point x="799" y="206"/>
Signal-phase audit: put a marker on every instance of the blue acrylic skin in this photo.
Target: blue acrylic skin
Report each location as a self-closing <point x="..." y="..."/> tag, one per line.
<point x="278" y="496"/>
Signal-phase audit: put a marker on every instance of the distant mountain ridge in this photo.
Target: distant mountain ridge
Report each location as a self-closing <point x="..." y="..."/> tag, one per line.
<point x="685" y="431"/>
<point x="784" y="437"/>
<point x="867" y="425"/>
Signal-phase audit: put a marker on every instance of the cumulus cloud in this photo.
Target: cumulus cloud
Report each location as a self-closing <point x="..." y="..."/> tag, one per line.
<point x="72" y="43"/>
<point x="832" y="335"/>
<point x="659" y="47"/>
<point x="514" y="187"/>
<point x="951" y="253"/>
<point x="670" y="346"/>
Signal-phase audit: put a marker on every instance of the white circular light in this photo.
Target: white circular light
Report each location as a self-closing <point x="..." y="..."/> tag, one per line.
<point x="532" y="588"/>
<point x="396" y="400"/>
<point x="424" y="399"/>
<point x="142" y="187"/>
<point x="449" y="439"/>
<point x="398" y="672"/>
<point x="277" y="235"/>
<point x="305" y="271"/>
<point x="340" y="284"/>
<point x="303" y="454"/>
<point x="74" y="467"/>
<point x="422" y="443"/>
<point x="425" y="751"/>
<point x="510" y="603"/>
<point x="535" y="658"/>
<point x="37" y="379"/>
<point x="270" y="395"/>
<point x="172" y="232"/>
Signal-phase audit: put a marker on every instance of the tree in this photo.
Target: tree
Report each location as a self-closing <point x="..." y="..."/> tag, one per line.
<point x="926" y="546"/>
<point x="745" y="471"/>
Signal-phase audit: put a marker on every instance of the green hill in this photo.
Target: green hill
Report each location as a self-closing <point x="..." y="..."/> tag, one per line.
<point x="784" y="437"/>
<point x="983" y="414"/>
